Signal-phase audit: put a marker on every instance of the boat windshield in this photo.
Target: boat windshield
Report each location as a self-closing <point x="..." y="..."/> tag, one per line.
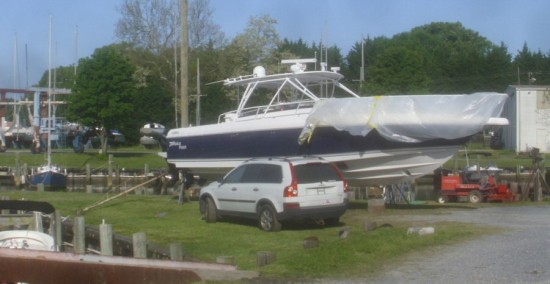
<point x="284" y="92"/>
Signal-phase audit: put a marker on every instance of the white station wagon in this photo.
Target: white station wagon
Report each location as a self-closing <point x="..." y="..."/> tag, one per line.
<point x="272" y="190"/>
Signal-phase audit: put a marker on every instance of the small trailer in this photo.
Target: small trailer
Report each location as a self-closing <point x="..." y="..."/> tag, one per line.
<point x="475" y="186"/>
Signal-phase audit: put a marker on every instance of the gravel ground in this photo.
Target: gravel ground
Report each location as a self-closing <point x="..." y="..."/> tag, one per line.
<point x="521" y="254"/>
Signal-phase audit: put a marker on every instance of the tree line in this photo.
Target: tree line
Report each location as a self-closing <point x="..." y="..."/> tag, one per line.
<point x="133" y="82"/>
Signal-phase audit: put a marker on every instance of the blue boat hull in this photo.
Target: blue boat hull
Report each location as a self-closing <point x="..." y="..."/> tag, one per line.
<point x="364" y="160"/>
<point x="284" y="143"/>
<point x="50" y="180"/>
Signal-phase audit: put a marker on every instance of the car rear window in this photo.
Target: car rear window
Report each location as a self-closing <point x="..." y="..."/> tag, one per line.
<point x="316" y="172"/>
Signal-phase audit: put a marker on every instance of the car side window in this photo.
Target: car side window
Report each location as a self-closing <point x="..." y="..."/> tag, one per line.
<point x="272" y="174"/>
<point x="236" y="175"/>
<point x="253" y="173"/>
<point x="263" y="173"/>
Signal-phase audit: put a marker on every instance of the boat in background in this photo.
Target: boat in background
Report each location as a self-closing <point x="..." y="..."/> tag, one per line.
<point x="152" y="130"/>
<point x="49" y="176"/>
<point x="373" y="140"/>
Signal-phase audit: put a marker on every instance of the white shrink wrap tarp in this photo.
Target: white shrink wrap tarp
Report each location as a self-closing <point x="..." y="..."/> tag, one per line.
<point x="411" y="119"/>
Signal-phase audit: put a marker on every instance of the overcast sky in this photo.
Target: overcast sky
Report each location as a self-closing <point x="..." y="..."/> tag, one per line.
<point x="24" y="24"/>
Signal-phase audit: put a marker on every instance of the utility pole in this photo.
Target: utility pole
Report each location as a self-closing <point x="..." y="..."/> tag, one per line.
<point x="176" y="102"/>
<point x="198" y="112"/>
<point x="184" y="60"/>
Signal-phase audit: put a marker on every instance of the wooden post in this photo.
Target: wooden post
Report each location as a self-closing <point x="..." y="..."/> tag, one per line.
<point x="106" y="239"/>
<point x="57" y="230"/>
<point x="17" y="174"/>
<point x="117" y="178"/>
<point x="110" y="173"/>
<point x="146" y="170"/>
<point x="23" y="173"/>
<point x="265" y="258"/>
<point x="79" y="235"/>
<point x="163" y="185"/>
<point x="40" y="187"/>
<point x="376" y="205"/>
<point x="311" y="242"/>
<point x="88" y="174"/>
<point x="140" y="245"/>
<point x="176" y="252"/>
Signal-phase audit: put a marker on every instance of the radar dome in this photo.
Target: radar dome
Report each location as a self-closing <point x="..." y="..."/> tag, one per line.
<point x="258" y="71"/>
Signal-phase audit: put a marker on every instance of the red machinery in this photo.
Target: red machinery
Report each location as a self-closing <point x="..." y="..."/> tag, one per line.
<point x="475" y="186"/>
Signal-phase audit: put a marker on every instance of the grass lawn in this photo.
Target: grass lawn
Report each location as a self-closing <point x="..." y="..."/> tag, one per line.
<point x="360" y="254"/>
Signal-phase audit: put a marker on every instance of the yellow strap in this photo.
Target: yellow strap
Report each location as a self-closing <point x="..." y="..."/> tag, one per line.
<point x="374" y="106"/>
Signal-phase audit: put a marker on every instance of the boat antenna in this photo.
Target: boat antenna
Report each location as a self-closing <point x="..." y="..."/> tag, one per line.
<point x="49" y="90"/>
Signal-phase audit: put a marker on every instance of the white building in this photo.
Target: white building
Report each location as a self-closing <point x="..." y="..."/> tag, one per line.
<point x="528" y="110"/>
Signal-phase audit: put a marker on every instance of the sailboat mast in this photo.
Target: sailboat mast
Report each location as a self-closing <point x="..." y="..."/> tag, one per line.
<point x="49" y="91"/>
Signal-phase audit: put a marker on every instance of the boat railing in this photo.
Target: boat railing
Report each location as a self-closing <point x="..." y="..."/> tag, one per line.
<point x="265" y="109"/>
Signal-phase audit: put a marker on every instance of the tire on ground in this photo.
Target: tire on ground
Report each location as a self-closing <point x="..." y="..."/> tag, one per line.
<point x="267" y="219"/>
<point x="210" y="212"/>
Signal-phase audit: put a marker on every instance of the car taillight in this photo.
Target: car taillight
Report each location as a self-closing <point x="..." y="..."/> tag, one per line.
<point x="341" y="175"/>
<point x="292" y="189"/>
<point x="346" y="187"/>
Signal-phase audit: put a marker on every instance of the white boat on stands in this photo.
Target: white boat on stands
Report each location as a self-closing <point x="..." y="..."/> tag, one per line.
<point x="373" y="140"/>
<point x="25" y="230"/>
<point x="25" y="239"/>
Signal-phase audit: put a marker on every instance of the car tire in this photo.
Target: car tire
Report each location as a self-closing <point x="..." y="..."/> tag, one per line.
<point x="267" y="219"/>
<point x="210" y="212"/>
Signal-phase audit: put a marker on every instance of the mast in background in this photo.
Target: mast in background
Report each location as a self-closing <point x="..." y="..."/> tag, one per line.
<point x="184" y="104"/>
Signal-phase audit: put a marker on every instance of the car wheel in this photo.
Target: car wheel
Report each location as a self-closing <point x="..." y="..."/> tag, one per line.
<point x="210" y="212"/>
<point x="268" y="219"/>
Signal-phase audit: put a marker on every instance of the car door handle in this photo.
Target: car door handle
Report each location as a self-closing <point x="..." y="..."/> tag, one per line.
<point x="234" y="189"/>
<point x="256" y="189"/>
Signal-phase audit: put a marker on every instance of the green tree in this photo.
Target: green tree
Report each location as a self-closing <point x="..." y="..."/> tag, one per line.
<point x="103" y="96"/>
<point x="155" y="85"/>
<point x="398" y="70"/>
<point x="366" y="49"/>
<point x="289" y="49"/>
<point x="334" y="55"/>
<point x="455" y="59"/>
<point x="63" y="76"/>
<point x="259" y="40"/>
<point x="532" y="67"/>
